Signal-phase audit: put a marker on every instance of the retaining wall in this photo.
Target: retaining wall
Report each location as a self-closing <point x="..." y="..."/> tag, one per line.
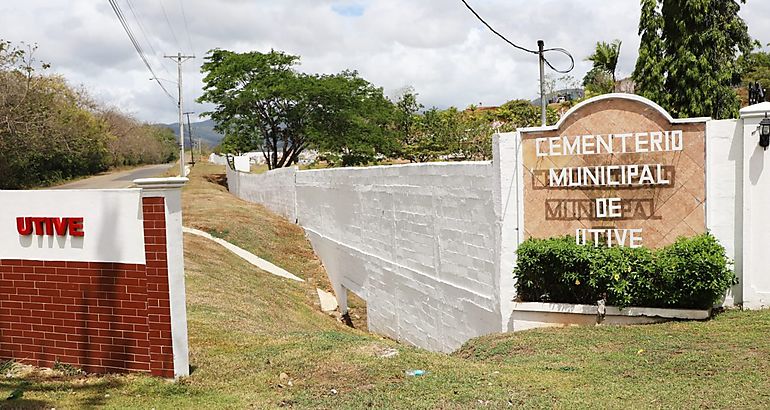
<point x="432" y="247"/>
<point x="417" y="242"/>
<point x="275" y="190"/>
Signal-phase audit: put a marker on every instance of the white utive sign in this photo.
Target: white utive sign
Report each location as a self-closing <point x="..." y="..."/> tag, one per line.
<point x="72" y="225"/>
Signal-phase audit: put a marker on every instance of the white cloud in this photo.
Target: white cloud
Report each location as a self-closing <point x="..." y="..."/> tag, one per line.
<point x="436" y="46"/>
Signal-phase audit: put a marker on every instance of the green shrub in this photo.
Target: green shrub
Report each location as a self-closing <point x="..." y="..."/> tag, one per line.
<point x="691" y="273"/>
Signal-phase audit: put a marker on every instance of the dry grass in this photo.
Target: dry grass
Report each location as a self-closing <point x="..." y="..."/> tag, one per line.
<point x="208" y="206"/>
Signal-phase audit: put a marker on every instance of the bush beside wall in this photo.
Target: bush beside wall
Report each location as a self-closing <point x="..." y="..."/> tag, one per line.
<point x="692" y="273"/>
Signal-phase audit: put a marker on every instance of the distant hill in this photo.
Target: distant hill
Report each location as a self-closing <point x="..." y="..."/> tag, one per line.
<point x="202" y="129"/>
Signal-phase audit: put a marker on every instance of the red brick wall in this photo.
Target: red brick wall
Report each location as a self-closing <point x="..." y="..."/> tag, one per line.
<point x="158" y="307"/>
<point x="101" y="317"/>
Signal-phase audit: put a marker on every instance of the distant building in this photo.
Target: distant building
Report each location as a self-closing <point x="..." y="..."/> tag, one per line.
<point x="560" y="96"/>
<point x="626" y="85"/>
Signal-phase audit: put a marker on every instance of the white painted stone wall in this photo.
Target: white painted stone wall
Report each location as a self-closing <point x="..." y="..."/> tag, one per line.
<point x="242" y="163"/>
<point x="217" y="159"/>
<point x="724" y="167"/>
<point x="417" y="242"/>
<point x="509" y="209"/>
<point x="275" y="189"/>
<point x="420" y="243"/>
<point x="738" y="202"/>
<point x="755" y="183"/>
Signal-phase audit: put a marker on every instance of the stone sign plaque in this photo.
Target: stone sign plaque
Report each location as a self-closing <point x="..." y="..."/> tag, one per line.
<point x="619" y="171"/>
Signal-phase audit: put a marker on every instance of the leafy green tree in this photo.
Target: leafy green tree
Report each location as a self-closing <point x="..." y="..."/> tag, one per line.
<point x="238" y="143"/>
<point x="755" y="67"/>
<point x="688" y="55"/>
<point x="50" y="131"/>
<point x="598" y="82"/>
<point x="601" y="79"/>
<point x="263" y="103"/>
<point x="406" y="121"/>
<point x="520" y="114"/>
<point x="349" y="118"/>
<point x="438" y="134"/>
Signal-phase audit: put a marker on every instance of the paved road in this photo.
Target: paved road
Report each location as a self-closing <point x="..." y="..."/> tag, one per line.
<point x="120" y="179"/>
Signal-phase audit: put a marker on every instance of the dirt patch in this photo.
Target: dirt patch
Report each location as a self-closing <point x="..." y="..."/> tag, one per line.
<point x="219" y="179"/>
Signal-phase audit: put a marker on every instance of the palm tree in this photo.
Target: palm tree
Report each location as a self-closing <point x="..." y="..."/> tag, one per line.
<point x="605" y="58"/>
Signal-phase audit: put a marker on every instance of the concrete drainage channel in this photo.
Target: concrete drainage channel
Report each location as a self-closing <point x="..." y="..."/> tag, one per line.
<point x="328" y="301"/>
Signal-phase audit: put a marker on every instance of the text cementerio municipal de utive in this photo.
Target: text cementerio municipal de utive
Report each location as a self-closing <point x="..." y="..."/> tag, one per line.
<point x="615" y="175"/>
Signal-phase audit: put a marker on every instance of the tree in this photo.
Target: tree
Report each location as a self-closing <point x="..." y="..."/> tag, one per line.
<point x="263" y="103"/>
<point x="349" y="118"/>
<point x="688" y="55"/>
<point x="406" y="123"/>
<point x="598" y="81"/>
<point x="602" y="79"/>
<point x="50" y="131"/>
<point x="755" y="68"/>
<point x="520" y="114"/>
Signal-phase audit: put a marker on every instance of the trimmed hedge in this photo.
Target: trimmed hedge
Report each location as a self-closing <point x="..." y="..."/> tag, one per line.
<point x="692" y="273"/>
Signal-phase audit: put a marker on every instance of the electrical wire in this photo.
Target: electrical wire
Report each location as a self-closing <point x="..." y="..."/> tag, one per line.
<point x="496" y="32"/>
<point x="144" y="33"/>
<point x="557" y="49"/>
<point x="137" y="46"/>
<point x="168" y="23"/>
<point x="563" y="51"/>
<point x="186" y="27"/>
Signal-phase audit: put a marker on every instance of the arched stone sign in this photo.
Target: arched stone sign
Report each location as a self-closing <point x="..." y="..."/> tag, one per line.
<point x="617" y="169"/>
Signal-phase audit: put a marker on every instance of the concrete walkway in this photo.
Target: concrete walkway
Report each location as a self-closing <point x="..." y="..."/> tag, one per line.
<point x="328" y="301"/>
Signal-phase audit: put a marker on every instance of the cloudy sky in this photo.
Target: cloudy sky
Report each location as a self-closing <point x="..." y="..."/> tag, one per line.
<point x="435" y="46"/>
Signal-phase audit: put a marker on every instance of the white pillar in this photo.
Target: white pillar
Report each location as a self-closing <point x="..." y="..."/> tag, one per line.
<point x="508" y="194"/>
<point x="756" y="210"/>
<point x="171" y="190"/>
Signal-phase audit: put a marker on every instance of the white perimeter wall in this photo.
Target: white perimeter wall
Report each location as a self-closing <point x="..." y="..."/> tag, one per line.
<point x="417" y="242"/>
<point x="738" y="202"/>
<point x="756" y="211"/>
<point x="275" y="189"/>
<point x="724" y="167"/>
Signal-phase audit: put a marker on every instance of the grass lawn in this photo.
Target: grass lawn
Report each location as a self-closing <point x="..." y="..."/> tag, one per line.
<point x="259" y="341"/>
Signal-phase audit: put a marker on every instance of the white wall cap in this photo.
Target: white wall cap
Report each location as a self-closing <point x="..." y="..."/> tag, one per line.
<point x="622" y="96"/>
<point x="756" y="110"/>
<point x="160" y="183"/>
<point x="694" y="314"/>
<point x="448" y="164"/>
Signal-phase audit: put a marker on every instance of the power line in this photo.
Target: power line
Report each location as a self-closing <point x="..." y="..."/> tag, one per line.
<point x="495" y="31"/>
<point x="565" y="52"/>
<point x="557" y="49"/>
<point x="186" y="27"/>
<point x="168" y="23"/>
<point x="137" y="46"/>
<point x="144" y="33"/>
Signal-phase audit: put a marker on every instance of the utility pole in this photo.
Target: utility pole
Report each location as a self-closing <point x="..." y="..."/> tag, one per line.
<point x="540" y="47"/>
<point x="189" y="136"/>
<point x="179" y="60"/>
